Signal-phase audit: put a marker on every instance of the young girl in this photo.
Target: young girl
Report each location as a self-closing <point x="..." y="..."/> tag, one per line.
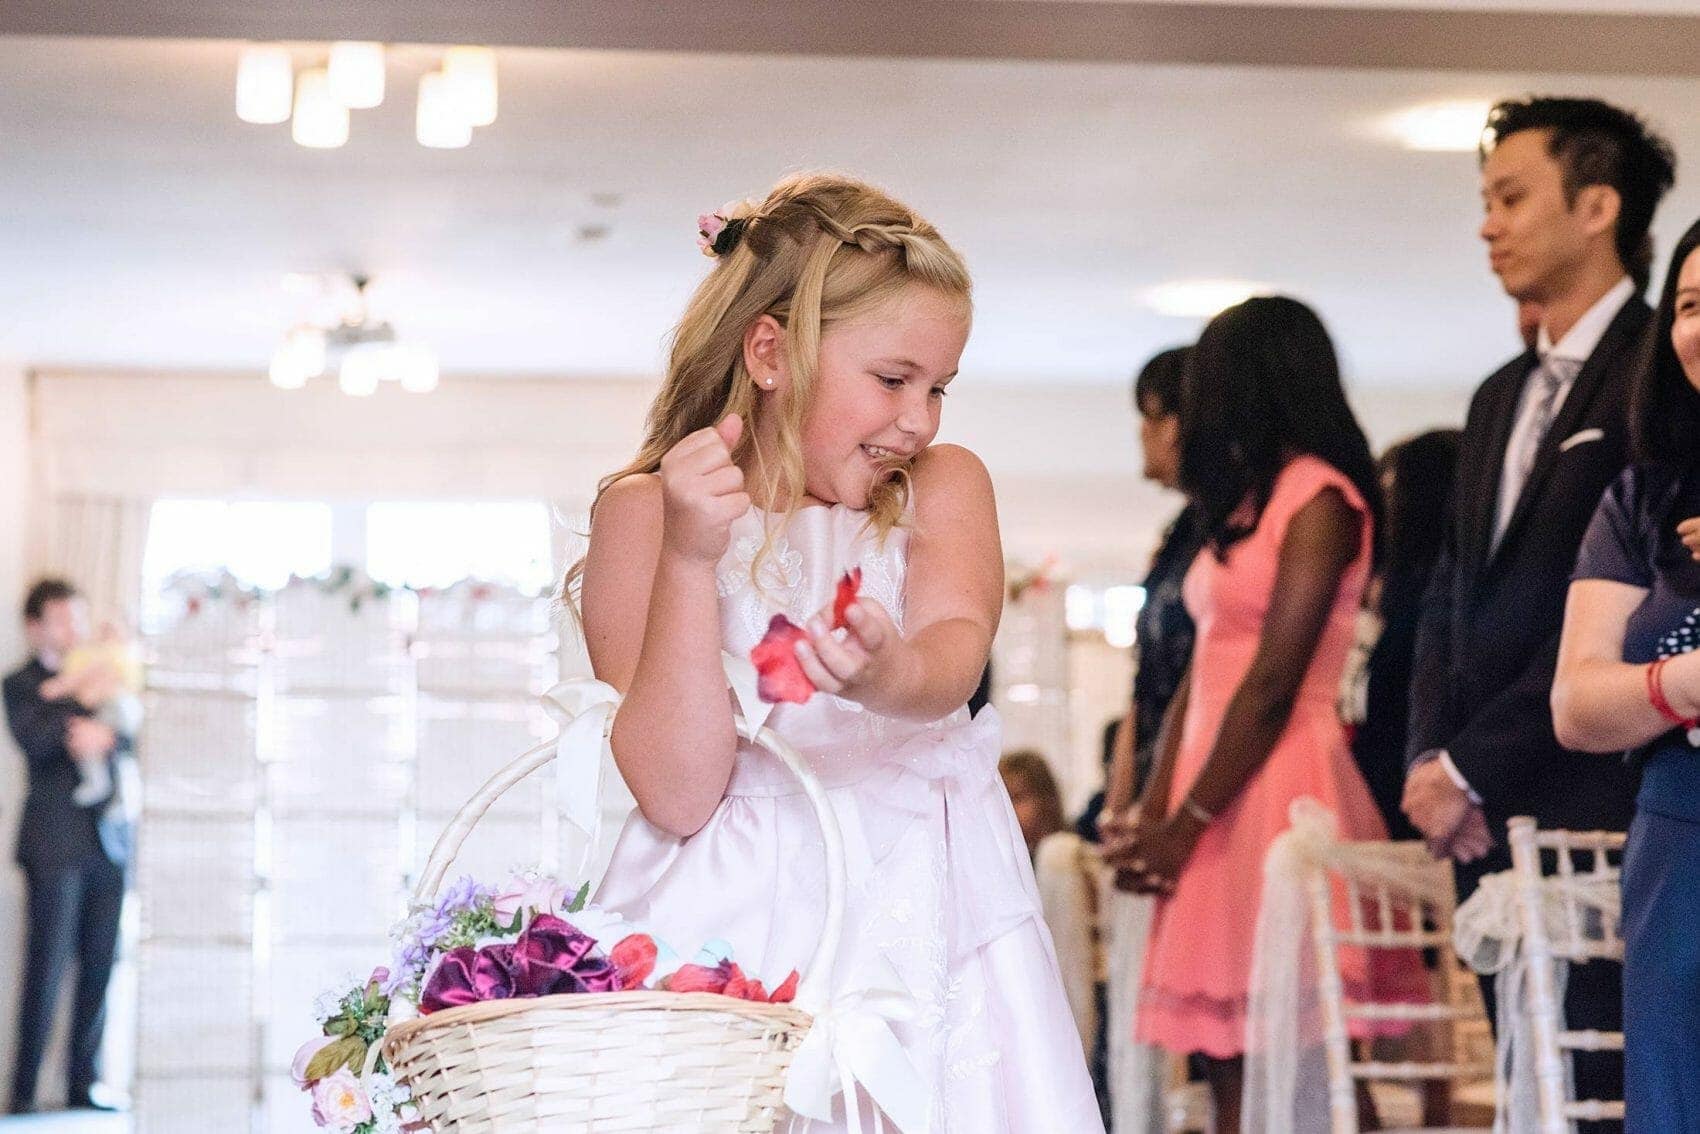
<point x="791" y="442"/>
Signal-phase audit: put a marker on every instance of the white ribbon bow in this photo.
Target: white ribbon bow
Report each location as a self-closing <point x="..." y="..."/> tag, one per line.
<point x="851" y="1044"/>
<point x="584" y="708"/>
<point x="742" y="677"/>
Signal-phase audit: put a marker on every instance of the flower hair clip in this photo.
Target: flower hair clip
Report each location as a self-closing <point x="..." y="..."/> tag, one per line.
<point x="719" y="232"/>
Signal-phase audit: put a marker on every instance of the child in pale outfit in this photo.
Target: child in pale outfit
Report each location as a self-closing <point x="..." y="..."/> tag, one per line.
<point x="793" y="440"/>
<point x="109" y="671"/>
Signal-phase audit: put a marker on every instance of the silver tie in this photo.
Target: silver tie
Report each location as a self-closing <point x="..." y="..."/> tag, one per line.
<point x="1550" y="377"/>
<point x="1549" y="380"/>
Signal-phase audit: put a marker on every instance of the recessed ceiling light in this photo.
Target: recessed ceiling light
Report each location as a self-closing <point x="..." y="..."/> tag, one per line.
<point x="1448" y="126"/>
<point x="1199" y="299"/>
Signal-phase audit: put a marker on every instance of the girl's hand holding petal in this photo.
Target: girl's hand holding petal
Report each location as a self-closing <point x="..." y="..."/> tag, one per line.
<point x="868" y="653"/>
<point x="702" y="491"/>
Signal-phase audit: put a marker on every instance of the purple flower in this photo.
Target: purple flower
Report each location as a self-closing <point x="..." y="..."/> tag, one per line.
<point x="463" y="894"/>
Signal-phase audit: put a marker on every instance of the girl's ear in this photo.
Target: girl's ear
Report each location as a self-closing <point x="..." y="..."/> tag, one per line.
<point x="764" y="354"/>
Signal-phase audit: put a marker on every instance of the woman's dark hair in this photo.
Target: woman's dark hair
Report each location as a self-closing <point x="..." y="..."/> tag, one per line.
<point x="1596" y="143"/>
<point x="1664" y="408"/>
<point x="1424" y="471"/>
<point x="1158" y="386"/>
<point x="1261" y="387"/>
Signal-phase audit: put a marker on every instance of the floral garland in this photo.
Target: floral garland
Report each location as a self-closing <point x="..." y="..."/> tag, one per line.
<point x="1036" y="579"/>
<point x="532" y="937"/>
<point x="199" y="590"/>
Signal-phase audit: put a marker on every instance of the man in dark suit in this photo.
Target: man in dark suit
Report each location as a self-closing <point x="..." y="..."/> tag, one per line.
<point x="73" y="855"/>
<point x="1570" y="187"/>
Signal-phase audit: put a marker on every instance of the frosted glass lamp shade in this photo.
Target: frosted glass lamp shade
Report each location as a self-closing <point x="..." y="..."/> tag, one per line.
<point x="362" y="369"/>
<point x="415" y="366"/>
<point x="356" y="73"/>
<point x="299" y="357"/>
<point x="265" y="82"/>
<point x="441" y="122"/>
<point x="320" y="122"/>
<point x="472" y="73"/>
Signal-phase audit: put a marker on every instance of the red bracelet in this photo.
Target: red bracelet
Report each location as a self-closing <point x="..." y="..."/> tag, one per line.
<point x="1656" y="694"/>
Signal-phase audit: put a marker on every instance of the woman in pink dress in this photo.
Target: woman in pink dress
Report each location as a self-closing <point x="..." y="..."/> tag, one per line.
<point x="1281" y="470"/>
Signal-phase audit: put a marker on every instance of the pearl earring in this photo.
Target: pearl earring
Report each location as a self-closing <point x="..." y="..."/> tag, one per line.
<point x="768" y="382"/>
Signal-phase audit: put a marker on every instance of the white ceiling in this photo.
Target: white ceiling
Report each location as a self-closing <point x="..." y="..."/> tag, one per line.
<point x="142" y="225"/>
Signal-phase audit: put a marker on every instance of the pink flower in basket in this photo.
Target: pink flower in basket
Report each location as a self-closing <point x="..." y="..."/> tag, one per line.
<point x="530" y="892"/>
<point x="338" y="1101"/>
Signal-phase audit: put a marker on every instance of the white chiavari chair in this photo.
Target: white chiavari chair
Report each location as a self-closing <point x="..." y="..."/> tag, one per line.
<point x="1382" y="915"/>
<point x="1567" y="916"/>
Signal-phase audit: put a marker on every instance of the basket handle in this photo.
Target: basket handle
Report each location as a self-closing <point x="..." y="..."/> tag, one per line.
<point x="815" y="984"/>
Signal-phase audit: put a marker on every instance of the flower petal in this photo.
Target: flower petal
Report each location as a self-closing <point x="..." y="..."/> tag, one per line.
<point x="634" y="959"/>
<point x="697" y="978"/>
<point x="786" y="992"/>
<point x="779" y="675"/>
<point x="848" y="587"/>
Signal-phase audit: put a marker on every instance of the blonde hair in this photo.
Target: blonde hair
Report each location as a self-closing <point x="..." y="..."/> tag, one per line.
<point x="819" y="249"/>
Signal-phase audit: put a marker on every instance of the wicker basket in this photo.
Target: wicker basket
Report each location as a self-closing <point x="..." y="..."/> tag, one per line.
<point x="612" y="1062"/>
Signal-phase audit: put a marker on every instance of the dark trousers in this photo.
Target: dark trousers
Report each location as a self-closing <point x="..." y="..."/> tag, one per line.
<point x="73" y="914"/>
<point x="1593" y="999"/>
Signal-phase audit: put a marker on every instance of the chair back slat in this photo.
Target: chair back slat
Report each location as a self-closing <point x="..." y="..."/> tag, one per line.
<point x="1588" y="931"/>
<point x="1381" y="915"/>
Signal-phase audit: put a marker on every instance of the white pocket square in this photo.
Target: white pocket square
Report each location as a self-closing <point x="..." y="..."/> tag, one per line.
<point x="1581" y="438"/>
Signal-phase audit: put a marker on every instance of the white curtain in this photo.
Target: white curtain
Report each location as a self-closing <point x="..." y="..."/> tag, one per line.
<point x="95" y="542"/>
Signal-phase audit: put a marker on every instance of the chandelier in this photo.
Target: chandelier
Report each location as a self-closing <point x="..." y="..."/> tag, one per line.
<point x="455" y="98"/>
<point x="365" y="351"/>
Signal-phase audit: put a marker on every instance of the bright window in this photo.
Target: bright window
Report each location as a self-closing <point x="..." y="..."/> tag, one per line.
<point x="437" y="544"/>
<point x="260" y="542"/>
<point x="1111" y="610"/>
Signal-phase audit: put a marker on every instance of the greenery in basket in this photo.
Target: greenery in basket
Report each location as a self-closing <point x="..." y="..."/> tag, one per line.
<point x="333" y="1066"/>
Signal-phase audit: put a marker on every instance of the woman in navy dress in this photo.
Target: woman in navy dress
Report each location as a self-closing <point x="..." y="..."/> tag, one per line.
<point x="1629" y="681"/>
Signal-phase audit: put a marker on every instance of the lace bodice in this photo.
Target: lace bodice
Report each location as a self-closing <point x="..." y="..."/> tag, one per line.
<point x="796" y="576"/>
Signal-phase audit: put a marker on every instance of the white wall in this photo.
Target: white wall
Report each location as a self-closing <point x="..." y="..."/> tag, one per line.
<point x="1064" y="458"/>
<point x="14" y="527"/>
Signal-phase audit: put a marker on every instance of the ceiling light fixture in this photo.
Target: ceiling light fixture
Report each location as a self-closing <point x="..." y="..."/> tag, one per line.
<point x="453" y="100"/>
<point x="1200" y="299"/>
<point x="357" y="74"/>
<point x="366" y="351"/>
<point x="1447" y="126"/>
<point x="265" y="84"/>
<point x="471" y="73"/>
<point x="320" y="121"/>
<point x="440" y="122"/>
